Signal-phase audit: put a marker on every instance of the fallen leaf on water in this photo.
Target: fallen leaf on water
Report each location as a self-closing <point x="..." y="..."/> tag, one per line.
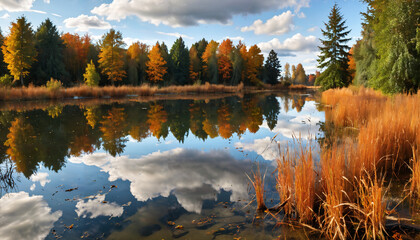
<point x="179" y="227"/>
<point x="104" y="201"/>
<point x="113" y="186"/>
<point x="71" y="189"/>
<point x="171" y="223"/>
<point x="222" y="229"/>
<point x="70" y="227"/>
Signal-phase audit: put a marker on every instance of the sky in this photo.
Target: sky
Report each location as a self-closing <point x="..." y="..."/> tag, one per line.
<point x="292" y="28"/>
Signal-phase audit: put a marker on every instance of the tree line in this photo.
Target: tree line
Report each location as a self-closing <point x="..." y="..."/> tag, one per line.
<point x="34" y="57"/>
<point x="386" y="58"/>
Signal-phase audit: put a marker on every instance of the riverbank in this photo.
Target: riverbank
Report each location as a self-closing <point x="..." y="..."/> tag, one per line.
<point x="42" y="92"/>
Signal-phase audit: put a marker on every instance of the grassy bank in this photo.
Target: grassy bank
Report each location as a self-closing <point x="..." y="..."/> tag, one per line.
<point x="344" y="195"/>
<point x="42" y="92"/>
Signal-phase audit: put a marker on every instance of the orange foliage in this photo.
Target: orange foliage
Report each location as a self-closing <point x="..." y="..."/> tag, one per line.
<point x="156" y="117"/>
<point x="156" y="66"/>
<point x="352" y="63"/>
<point x="224" y="61"/>
<point x="224" y="117"/>
<point x="113" y="124"/>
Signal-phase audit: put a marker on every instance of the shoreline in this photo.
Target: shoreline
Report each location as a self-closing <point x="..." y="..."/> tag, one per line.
<point x="109" y="92"/>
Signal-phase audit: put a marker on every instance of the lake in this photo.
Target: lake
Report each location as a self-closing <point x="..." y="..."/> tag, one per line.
<point x="159" y="169"/>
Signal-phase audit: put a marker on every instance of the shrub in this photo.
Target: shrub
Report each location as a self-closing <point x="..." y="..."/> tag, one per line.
<point x="54" y="85"/>
<point x="6" y="81"/>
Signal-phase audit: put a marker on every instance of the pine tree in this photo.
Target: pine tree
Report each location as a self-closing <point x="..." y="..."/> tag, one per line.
<point x="334" y="52"/>
<point x="180" y="60"/>
<point x="19" y="49"/>
<point x="272" y="68"/>
<point x="91" y="77"/>
<point x="111" y="58"/>
<point x="50" y="48"/>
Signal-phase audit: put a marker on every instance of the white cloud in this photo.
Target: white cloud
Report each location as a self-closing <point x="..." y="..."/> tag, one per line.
<point x="312" y="29"/>
<point x="303" y="125"/>
<point x="309" y="60"/>
<point x="297" y="43"/>
<point x="25" y="217"/>
<point x="190" y="175"/>
<point x="265" y="147"/>
<point x="47" y="1"/>
<point x="175" y="34"/>
<point x="56" y="15"/>
<point x="278" y="25"/>
<point x="178" y="13"/>
<point x="84" y="22"/>
<point x="233" y="39"/>
<point x="41" y="177"/>
<point x="128" y="41"/>
<point x="5" y="16"/>
<point x="97" y="207"/>
<point x="16" y="5"/>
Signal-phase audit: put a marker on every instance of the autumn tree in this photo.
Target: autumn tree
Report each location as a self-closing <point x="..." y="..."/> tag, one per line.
<point x="195" y="64"/>
<point x="210" y="67"/>
<point x="224" y="60"/>
<point x="201" y="47"/>
<point x="19" y="49"/>
<point x="156" y="66"/>
<point x="50" y="48"/>
<point x="254" y="64"/>
<point x="111" y="57"/>
<point x="137" y="55"/>
<point x="300" y="75"/>
<point x="287" y="76"/>
<point x="91" y="77"/>
<point x="294" y="74"/>
<point x="169" y="66"/>
<point x="272" y="68"/>
<point x="78" y="51"/>
<point x="180" y="62"/>
<point x="334" y="52"/>
<point x="352" y="64"/>
<point x="113" y="128"/>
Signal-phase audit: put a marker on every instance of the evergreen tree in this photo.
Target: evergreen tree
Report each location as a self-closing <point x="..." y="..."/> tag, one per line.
<point x="3" y="66"/>
<point x="19" y="49"/>
<point x="180" y="61"/>
<point x="334" y="52"/>
<point x="91" y="77"/>
<point x="169" y="67"/>
<point x="111" y="58"/>
<point x="195" y="64"/>
<point x="238" y="65"/>
<point x="272" y="68"/>
<point x="201" y="47"/>
<point x="50" y="48"/>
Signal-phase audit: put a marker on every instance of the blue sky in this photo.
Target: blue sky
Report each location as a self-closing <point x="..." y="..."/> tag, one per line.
<point x="290" y="27"/>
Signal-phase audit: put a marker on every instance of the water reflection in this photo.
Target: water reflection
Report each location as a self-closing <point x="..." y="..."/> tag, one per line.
<point x="192" y="176"/>
<point x="135" y="166"/>
<point x="49" y="136"/>
<point x="25" y="217"/>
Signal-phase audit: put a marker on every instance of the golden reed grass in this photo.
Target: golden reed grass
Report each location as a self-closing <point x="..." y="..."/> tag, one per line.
<point x="296" y="182"/>
<point x="389" y="126"/>
<point x="258" y="183"/>
<point x="344" y="198"/>
<point x="42" y="92"/>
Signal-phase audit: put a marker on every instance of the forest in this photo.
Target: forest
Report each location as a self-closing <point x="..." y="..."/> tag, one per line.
<point x="46" y="56"/>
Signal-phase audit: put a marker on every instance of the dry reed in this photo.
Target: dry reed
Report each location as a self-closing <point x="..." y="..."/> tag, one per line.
<point x="258" y="183"/>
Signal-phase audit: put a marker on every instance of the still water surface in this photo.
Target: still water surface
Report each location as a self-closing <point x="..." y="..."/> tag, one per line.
<point x="161" y="169"/>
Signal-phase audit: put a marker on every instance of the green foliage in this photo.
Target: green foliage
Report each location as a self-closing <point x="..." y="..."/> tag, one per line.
<point x="91" y="77"/>
<point x="6" y="81"/>
<point x="388" y="56"/>
<point x="238" y="65"/>
<point x="54" y="85"/>
<point x="180" y="62"/>
<point x="111" y="58"/>
<point x="334" y="52"/>
<point x="272" y="68"/>
<point x="50" y="47"/>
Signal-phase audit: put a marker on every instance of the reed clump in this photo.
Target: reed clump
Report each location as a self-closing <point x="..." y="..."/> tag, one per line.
<point x="258" y="183"/>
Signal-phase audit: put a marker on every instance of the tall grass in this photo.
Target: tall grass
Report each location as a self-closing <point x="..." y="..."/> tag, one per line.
<point x="258" y="183"/>
<point x="285" y="181"/>
<point x="389" y="126"/>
